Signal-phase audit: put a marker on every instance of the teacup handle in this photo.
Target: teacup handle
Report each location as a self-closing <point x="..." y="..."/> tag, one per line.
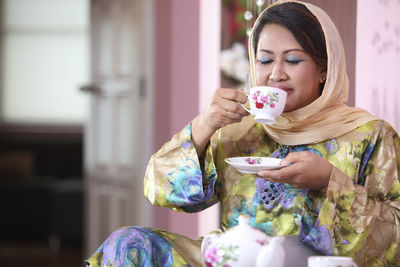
<point x="248" y="110"/>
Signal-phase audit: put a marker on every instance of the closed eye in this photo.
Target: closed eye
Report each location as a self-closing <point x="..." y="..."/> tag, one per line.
<point x="265" y="61"/>
<point x="293" y="61"/>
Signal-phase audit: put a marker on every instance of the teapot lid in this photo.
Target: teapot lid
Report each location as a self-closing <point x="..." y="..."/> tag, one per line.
<point x="245" y="231"/>
<point x="244" y="220"/>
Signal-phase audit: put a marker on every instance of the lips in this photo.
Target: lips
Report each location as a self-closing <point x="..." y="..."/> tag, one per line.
<point x="284" y="88"/>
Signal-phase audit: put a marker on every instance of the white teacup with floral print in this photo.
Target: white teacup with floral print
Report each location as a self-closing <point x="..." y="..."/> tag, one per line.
<point x="266" y="103"/>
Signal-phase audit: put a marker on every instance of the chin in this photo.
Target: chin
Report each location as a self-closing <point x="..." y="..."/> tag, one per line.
<point x="288" y="108"/>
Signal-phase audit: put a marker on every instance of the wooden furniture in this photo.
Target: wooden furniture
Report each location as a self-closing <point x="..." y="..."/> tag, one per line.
<point x="41" y="183"/>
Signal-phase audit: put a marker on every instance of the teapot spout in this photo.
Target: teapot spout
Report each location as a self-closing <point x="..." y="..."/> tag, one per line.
<point x="272" y="254"/>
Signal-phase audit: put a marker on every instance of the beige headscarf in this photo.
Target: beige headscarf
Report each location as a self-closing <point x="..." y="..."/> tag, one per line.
<point x="327" y="117"/>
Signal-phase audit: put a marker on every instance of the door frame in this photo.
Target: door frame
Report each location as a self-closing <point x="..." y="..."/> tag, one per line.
<point x="146" y="88"/>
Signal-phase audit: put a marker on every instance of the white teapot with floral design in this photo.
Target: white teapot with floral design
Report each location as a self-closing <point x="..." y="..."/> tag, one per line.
<point x="242" y="245"/>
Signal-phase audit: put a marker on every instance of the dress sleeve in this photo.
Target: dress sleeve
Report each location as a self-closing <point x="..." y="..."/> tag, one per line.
<point x="175" y="178"/>
<point x="360" y="217"/>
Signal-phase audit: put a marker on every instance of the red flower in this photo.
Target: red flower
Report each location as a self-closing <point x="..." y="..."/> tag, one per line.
<point x="259" y="105"/>
<point x="272" y="105"/>
<point x="261" y="242"/>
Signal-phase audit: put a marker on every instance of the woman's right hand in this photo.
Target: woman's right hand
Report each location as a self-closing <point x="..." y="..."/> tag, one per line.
<point x="223" y="109"/>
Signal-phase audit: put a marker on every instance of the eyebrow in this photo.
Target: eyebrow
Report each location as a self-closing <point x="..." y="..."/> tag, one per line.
<point x="284" y="52"/>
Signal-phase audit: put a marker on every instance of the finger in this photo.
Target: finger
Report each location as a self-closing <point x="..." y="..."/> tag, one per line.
<point x="294" y="157"/>
<point x="226" y="117"/>
<point x="241" y="110"/>
<point x="273" y="176"/>
<point x="283" y="175"/>
<point x="234" y="95"/>
<point x="217" y="115"/>
<point x="232" y="106"/>
<point x="235" y="117"/>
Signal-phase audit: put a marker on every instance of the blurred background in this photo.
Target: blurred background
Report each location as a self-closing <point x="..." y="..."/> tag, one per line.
<point x="89" y="89"/>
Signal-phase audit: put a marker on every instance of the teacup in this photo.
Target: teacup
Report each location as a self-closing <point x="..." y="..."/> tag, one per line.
<point x="266" y="103"/>
<point x="330" y="261"/>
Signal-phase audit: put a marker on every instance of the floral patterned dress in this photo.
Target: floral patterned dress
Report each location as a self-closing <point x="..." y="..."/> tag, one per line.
<point x="359" y="216"/>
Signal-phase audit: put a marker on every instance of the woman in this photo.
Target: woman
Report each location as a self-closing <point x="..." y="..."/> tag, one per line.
<point x="341" y="193"/>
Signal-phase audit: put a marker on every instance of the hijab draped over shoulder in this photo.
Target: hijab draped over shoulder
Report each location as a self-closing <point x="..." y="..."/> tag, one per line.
<point x="328" y="116"/>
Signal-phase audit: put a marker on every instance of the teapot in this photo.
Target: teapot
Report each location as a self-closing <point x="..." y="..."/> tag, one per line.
<point x="242" y="245"/>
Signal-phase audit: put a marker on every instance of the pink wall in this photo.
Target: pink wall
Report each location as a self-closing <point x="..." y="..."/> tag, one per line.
<point x="176" y="88"/>
<point x="378" y="59"/>
<point x="344" y="15"/>
<point x="176" y="67"/>
<point x="210" y="40"/>
<point x="186" y="71"/>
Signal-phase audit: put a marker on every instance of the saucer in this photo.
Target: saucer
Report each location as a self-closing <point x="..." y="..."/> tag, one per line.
<point x="253" y="165"/>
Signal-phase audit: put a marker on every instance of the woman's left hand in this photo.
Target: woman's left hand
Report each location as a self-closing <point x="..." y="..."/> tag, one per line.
<point x="307" y="170"/>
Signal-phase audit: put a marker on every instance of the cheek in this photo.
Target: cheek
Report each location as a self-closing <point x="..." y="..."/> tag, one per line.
<point x="308" y="81"/>
<point x="260" y="74"/>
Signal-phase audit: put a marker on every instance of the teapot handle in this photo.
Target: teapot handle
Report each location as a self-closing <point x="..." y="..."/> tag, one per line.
<point x="272" y="254"/>
<point x="206" y="241"/>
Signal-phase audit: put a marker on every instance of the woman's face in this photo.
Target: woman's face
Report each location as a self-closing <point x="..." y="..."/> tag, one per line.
<point x="281" y="62"/>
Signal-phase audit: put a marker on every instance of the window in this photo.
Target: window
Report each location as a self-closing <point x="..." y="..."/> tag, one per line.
<point x="44" y="59"/>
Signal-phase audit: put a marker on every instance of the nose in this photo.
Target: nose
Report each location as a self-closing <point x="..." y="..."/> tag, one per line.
<point x="277" y="73"/>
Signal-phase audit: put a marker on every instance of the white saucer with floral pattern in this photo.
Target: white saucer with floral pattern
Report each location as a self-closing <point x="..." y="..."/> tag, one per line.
<point x="253" y="165"/>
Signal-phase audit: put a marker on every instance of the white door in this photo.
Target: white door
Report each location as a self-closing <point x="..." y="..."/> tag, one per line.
<point x="118" y="134"/>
